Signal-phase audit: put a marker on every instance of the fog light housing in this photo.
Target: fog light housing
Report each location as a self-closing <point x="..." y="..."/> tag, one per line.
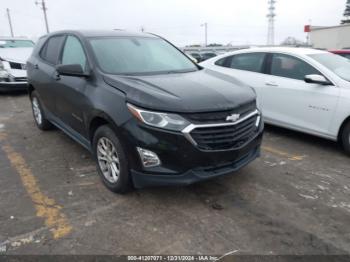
<point x="148" y="158"/>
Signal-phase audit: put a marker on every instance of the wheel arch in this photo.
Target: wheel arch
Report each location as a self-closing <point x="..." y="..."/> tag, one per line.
<point x="96" y="121"/>
<point x="347" y="120"/>
<point x="30" y="89"/>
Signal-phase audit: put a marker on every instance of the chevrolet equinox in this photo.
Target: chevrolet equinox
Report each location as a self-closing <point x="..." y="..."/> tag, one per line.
<point x="147" y="113"/>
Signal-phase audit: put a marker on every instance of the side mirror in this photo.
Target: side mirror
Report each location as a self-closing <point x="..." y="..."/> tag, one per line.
<point x="71" y="70"/>
<point x="317" y="79"/>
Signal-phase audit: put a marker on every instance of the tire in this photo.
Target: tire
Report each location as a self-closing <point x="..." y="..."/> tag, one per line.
<point x="111" y="160"/>
<point x="345" y="138"/>
<point x="38" y="113"/>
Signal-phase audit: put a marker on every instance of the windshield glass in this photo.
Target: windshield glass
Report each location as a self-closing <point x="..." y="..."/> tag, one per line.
<point x="16" y="43"/>
<point x="139" y="55"/>
<point x="337" y="64"/>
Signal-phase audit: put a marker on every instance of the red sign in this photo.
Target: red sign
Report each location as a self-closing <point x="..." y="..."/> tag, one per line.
<point x="307" y="29"/>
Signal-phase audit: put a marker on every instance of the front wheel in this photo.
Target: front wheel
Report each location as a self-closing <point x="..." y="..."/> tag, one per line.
<point x="111" y="160"/>
<point x="345" y="138"/>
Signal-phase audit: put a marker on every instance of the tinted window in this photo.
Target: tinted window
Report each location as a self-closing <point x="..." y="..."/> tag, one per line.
<point x="73" y="52"/>
<point x="249" y="62"/>
<point x="291" y="67"/>
<point x="52" y="48"/>
<point x="346" y="56"/>
<point x="222" y="61"/>
<point x="139" y="55"/>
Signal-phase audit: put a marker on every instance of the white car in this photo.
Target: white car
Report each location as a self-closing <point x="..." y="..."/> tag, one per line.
<point x="14" y="53"/>
<point x="302" y="89"/>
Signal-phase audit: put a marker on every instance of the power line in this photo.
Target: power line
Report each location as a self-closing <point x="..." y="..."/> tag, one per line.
<point x="271" y="20"/>
<point x="10" y="22"/>
<point x="43" y="7"/>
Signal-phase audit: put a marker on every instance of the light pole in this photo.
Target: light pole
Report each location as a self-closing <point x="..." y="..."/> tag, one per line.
<point x="205" y="33"/>
<point x="43" y="7"/>
<point x="10" y="23"/>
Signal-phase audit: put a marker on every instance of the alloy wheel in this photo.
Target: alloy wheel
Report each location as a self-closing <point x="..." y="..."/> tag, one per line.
<point x="108" y="159"/>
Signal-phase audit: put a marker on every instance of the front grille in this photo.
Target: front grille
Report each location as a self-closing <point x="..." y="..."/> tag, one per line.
<point x="225" y="137"/>
<point x="20" y="79"/>
<point x="220" y="116"/>
<point x="19" y="66"/>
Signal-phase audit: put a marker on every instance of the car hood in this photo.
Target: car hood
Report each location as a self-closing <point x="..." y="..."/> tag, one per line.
<point x="18" y="55"/>
<point x="200" y="91"/>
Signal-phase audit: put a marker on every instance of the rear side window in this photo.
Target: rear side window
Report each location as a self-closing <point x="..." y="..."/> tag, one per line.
<point x="252" y="62"/>
<point x="52" y="48"/>
<point x="291" y="67"/>
<point x="73" y="52"/>
<point x="222" y="61"/>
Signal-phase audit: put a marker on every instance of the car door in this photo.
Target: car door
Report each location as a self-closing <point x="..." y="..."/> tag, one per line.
<point x="289" y="101"/>
<point x="71" y="99"/>
<point x="249" y="68"/>
<point x="44" y="71"/>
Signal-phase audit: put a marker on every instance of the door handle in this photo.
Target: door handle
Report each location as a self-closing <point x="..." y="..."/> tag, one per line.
<point x="271" y="83"/>
<point x="36" y="66"/>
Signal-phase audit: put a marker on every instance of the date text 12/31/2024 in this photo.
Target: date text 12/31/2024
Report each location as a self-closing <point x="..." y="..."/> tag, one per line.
<point x="172" y="258"/>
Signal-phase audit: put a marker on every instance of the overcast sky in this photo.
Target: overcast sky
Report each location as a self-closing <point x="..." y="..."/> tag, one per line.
<point x="229" y="21"/>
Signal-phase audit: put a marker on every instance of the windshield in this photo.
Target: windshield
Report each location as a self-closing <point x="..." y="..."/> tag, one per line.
<point x="16" y="43"/>
<point x="139" y="55"/>
<point x="337" y="64"/>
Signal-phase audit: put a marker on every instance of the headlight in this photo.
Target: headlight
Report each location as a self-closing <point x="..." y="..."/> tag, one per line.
<point x="162" y="120"/>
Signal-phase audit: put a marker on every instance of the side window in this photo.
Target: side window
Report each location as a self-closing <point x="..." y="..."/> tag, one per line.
<point x="73" y="52"/>
<point x="252" y="62"/>
<point x="222" y="61"/>
<point x="52" y="48"/>
<point x="291" y="67"/>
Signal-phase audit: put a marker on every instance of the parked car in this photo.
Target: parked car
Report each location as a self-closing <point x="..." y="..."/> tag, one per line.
<point x="197" y="56"/>
<point x="192" y="58"/>
<point x="149" y="115"/>
<point x="206" y="56"/>
<point x="302" y="89"/>
<point x="344" y="53"/>
<point x="14" y="53"/>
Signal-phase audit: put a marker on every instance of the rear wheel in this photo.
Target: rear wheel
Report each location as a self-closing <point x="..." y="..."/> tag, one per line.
<point x="111" y="160"/>
<point x="345" y="138"/>
<point x="38" y="113"/>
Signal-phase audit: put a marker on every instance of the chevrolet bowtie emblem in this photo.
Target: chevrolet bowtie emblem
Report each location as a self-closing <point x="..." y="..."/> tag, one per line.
<point x="233" y="117"/>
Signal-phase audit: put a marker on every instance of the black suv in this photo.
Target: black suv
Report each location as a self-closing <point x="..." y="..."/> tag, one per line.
<point x="148" y="114"/>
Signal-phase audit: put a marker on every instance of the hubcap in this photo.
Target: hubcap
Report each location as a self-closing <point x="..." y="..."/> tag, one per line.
<point x="36" y="110"/>
<point x="108" y="159"/>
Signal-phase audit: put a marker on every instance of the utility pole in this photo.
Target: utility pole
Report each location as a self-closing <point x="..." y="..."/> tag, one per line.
<point x="10" y="22"/>
<point x="205" y="33"/>
<point x="43" y="7"/>
<point x="271" y="19"/>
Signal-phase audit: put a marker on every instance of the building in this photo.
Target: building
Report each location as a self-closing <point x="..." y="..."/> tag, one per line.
<point x="333" y="37"/>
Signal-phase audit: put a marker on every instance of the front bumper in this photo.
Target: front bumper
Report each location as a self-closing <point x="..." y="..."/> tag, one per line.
<point x="141" y="180"/>
<point x="13" y="86"/>
<point x="182" y="163"/>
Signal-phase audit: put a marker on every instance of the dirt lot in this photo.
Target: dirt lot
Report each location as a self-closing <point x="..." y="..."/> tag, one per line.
<point x="295" y="199"/>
